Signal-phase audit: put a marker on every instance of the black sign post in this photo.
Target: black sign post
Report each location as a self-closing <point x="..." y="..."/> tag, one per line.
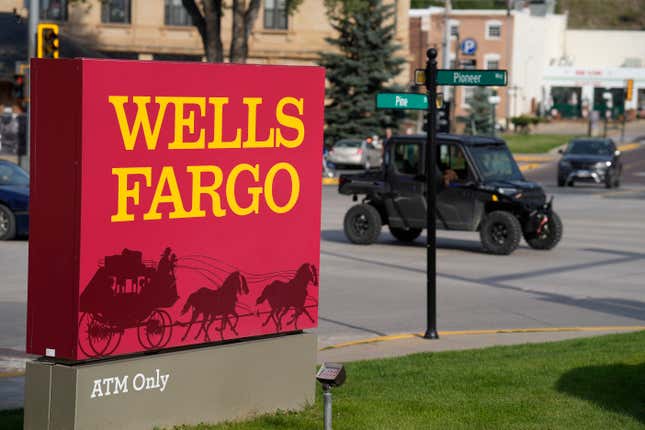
<point x="431" y="193"/>
<point x="430" y="77"/>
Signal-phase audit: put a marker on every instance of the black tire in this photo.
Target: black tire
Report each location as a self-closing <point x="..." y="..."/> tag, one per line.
<point x="609" y="181"/>
<point x="405" y="235"/>
<point x="362" y="224"/>
<point x="561" y="182"/>
<point x="7" y="223"/>
<point x="500" y="233"/>
<point x="550" y="237"/>
<point x="570" y="183"/>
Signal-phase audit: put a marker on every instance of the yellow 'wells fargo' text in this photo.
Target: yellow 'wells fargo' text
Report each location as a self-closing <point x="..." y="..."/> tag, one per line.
<point x="206" y="180"/>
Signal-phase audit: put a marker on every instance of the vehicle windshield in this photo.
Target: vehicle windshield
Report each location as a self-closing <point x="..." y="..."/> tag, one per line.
<point x="495" y="163"/>
<point x="589" y="147"/>
<point x="11" y="174"/>
<point x="348" y="144"/>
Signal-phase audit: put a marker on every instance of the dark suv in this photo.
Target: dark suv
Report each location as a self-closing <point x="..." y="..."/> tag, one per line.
<point x="590" y="160"/>
<point x="480" y="188"/>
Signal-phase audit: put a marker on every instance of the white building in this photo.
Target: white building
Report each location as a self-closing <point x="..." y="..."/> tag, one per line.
<point x="575" y="71"/>
<point x="594" y="64"/>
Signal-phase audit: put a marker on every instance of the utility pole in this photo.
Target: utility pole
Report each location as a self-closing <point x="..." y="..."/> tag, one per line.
<point x="32" y="29"/>
<point x="509" y="60"/>
<point x="445" y="44"/>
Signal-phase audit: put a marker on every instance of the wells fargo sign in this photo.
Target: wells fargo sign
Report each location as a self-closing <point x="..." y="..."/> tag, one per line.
<point x="171" y="204"/>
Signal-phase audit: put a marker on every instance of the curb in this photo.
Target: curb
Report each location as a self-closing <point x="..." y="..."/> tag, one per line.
<point x="480" y="332"/>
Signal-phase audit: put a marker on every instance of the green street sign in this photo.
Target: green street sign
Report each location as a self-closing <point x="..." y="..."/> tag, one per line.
<point x="401" y="101"/>
<point x="484" y="78"/>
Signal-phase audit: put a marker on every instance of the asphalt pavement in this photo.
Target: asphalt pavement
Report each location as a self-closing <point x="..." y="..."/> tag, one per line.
<point x="593" y="279"/>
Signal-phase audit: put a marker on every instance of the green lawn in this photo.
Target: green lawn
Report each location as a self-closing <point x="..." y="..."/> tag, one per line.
<point x="592" y="383"/>
<point x="535" y="143"/>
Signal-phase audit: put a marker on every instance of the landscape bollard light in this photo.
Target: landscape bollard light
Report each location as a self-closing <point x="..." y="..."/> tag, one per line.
<point x="329" y="375"/>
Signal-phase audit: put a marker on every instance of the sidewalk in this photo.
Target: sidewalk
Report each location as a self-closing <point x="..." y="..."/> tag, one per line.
<point x="12" y="378"/>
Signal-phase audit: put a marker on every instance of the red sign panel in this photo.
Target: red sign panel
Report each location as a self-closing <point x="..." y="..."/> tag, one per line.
<point x="171" y="204"/>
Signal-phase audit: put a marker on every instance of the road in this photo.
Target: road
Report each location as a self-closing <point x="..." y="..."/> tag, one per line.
<point x="593" y="278"/>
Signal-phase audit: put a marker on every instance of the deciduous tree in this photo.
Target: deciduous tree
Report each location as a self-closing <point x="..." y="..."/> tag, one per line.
<point x="207" y="18"/>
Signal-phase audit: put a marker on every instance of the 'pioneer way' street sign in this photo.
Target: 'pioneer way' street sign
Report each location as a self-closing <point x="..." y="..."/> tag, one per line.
<point x="472" y="77"/>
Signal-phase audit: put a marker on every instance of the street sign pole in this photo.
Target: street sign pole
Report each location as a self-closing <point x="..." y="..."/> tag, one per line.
<point x="431" y="195"/>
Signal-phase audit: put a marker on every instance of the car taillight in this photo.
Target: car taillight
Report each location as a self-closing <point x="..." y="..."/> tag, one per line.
<point x="359" y="151"/>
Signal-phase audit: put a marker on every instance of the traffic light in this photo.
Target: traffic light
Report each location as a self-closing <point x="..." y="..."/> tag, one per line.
<point x="48" y="44"/>
<point x="19" y="87"/>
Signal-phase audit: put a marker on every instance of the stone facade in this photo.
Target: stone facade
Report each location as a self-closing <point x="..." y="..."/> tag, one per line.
<point x="147" y="36"/>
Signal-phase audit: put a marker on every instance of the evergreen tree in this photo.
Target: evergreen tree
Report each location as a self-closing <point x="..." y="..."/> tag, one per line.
<point x="365" y="62"/>
<point x="479" y="121"/>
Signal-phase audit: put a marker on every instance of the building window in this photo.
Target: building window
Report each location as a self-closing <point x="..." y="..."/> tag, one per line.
<point x="493" y="29"/>
<point x="275" y="14"/>
<point x="491" y="61"/>
<point x="176" y="14"/>
<point x="115" y="11"/>
<point x="53" y="10"/>
<point x="454" y="31"/>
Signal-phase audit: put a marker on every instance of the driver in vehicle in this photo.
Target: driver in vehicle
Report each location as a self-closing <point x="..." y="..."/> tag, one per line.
<point x="455" y="169"/>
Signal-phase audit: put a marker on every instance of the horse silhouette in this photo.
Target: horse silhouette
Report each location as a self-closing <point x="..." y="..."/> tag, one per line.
<point x="283" y="296"/>
<point x="212" y="304"/>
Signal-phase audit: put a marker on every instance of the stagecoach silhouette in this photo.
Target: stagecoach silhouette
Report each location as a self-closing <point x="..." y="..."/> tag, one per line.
<point x="128" y="292"/>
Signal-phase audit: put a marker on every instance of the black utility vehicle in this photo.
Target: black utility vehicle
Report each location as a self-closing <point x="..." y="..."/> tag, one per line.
<point x="590" y="160"/>
<point x="480" y="188"/>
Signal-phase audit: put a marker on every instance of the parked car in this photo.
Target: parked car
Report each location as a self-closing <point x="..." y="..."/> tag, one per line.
<point x="590" y="160"/>
<point x="355" y="153"/>
<point x="14" y="201"/>
<point x="479" y="188"/>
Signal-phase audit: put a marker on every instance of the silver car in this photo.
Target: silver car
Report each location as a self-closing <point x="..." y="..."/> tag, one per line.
<point x="355" y="152"/>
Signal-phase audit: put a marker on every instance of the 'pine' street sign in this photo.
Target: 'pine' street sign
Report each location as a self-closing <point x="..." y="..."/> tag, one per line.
<point x="472" y="77"/>
<point x="413" y="101"/>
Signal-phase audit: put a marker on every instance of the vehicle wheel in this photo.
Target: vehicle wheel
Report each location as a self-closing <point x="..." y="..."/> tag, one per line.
<point x="500" y="233"/>
<point x="550" y="236"/>
<point x="405" y="235"/>
<point x="617" y="183"/>
<point x="571" y="183"/>
<point x="362" y="224"/>
<point x="7" y="223"/>
<point x="609" y="181"/>
<point x="561" y="182"/>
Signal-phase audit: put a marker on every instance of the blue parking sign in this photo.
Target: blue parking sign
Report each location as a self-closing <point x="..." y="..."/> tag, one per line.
<point x="469" y="46"/>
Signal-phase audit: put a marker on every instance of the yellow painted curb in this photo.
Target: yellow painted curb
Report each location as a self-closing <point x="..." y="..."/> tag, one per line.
<point x="525" y="158"/>
<point x="529" y="166"/>
<point x="480" y="332"/>
<point x="12" y="374"/>
<point x="628" y="147"/>
<point x="330" y="181"/>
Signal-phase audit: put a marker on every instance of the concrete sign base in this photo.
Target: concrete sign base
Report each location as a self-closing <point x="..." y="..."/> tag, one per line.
<point x="208" y="384"/>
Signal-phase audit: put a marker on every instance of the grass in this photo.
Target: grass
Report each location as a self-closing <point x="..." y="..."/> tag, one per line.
<point x="535" y="143"/>
<point x="591" y="383"/>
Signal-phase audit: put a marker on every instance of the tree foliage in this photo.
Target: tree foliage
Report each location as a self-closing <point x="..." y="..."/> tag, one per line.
<point x="480" y="121"/>
<point x="207" y="18"/>
<point x="364" y="63"/>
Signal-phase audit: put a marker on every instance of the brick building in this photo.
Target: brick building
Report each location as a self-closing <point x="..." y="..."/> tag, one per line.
<point x="480" y="39"/>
